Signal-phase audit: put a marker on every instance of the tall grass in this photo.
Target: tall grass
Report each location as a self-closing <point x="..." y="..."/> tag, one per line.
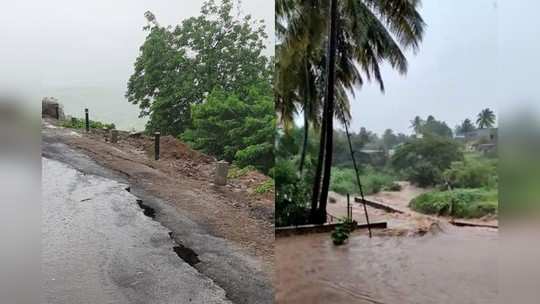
<point x="343" y="180"/>
<point x="462" y="203"/>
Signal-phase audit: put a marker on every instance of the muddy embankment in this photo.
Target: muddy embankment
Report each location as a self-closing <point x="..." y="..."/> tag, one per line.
<point x="228" y="229"/>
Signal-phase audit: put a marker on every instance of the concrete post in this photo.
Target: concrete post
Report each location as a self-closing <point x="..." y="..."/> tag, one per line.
<point x="156" y="145"/>
<point x="222" y="170"/>
<point x="114" y="136"/>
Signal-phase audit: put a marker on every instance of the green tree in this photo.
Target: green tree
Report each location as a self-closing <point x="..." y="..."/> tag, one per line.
<point x="465" y="127"/>
<point x="424" y="160"/>
<point x="485" y="119"/>
<point x="433" y="126"/>
<point x="416" y="125"/>
<point x="180" y="66"/>
<point x="389" y="139"/>
<point x="239" y="130"/>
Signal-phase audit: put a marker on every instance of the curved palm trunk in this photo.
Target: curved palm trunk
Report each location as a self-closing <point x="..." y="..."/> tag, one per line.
<point x="330" y="89"/>
<point x="318" y="170"/>
<point x="306" y="121"/>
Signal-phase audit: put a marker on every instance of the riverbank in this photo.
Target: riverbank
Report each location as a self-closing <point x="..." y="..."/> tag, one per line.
<point x="229" y="227"/>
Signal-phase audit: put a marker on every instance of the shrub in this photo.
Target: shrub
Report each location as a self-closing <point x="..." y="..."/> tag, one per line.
<point x="375" y="181"/>
<point x="343" y="181"/>
<point x="235" y="128"/>
<point x="472" y="173"/>
<point x="292" y="195"/>
<point x="462" y="203"/>
<point x="423" y="174"/>
<point x="79" y="123"/>
<point x="342" y="231"/>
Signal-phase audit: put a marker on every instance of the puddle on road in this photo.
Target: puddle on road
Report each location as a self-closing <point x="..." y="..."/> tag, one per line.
<point x="455" y="266"/>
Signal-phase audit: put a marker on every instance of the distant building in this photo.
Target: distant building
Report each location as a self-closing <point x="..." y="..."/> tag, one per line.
<point x="481" y="140"/>
<point x="487" y="134"/>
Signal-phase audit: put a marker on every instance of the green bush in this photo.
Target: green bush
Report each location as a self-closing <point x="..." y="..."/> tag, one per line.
<point x="292" y="194"/>
<point x="79" y="123"/>
<point x="423" y="174"/>
<point x="235" y="128"/>
<point x="343" y="181"/>
<point x="472" y="173"/>
<point x="375" y="181"/>
<point x="342" y="231"/>
<point x="461" y="203"/>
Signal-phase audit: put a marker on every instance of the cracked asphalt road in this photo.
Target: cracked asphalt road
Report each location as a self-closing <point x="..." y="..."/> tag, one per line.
<point x="99" y="247"/>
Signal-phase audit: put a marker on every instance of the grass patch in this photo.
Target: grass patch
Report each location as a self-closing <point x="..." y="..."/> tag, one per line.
<point x="236" y="172"/>
<point x="343" y="181"/>
<point x="461" y="203"/>
<point x="265" y="187"/>
<point x="79" y="123"/>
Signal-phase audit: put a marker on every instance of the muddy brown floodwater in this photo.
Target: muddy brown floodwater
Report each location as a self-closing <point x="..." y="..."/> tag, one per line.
<point x="457" y="265"/>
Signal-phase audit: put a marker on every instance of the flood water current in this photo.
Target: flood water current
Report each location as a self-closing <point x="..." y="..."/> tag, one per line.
<point x="457" y="265"/>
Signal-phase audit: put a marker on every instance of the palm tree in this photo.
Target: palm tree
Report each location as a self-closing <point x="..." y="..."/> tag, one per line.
<point x="361" y="35"/>
<point x="297" y="83"/>
<point x="416" y="124"/>
<point x="466" y="127"/>
<point x="485" y="119"/>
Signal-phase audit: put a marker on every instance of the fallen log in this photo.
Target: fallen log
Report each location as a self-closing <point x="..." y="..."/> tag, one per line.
<point x="378" y="205"/>
<point x="462" y="223"/>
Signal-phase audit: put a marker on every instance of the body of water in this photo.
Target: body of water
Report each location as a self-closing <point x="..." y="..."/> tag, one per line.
<point x="104" y="103"/>
<point x="455" y="266"/>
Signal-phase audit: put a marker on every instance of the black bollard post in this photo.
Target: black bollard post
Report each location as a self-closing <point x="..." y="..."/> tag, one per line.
<point x="156" y="144"/>
<point x="86" y="120"/>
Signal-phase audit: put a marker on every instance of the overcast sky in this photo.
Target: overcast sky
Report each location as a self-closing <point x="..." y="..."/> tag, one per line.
<point x="475" y="54"/>
<point x="67" y="43"/>
<point x="452" y="76"/>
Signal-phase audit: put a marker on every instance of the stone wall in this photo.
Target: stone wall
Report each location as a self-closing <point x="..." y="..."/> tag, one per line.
<point x="50" y="107"/>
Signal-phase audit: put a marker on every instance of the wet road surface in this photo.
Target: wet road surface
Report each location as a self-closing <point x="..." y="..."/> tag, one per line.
<point x="99" y="247"/>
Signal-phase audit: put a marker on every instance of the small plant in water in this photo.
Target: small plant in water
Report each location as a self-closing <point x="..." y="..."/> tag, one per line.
<point x="342" y="231"/>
